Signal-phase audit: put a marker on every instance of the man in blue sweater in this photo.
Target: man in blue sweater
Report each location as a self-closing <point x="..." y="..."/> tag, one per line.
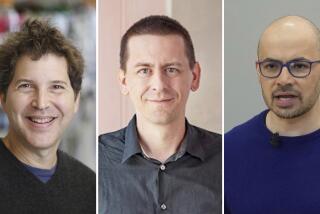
<point x="272" y="161"/>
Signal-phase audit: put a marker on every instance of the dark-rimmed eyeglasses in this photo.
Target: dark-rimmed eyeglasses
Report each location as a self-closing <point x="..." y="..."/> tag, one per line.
<point x="297" y="68"/>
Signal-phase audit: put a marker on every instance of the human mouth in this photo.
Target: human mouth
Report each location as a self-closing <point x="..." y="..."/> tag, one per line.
<point x="285" y="99"/>
<point x="166" y="100"/>
<point x="41" y="121"/>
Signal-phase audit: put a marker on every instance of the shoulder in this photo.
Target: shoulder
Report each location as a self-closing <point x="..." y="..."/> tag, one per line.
<point x="205" y="134"/>
<point x="253" y="125"/>
<point x="111" y="145"/>
<point x="4" y="154"/>
<point x="247" y="138"/>
<point x="76" y="183"/>
<point x="78" y="169"/>
<point x="112" y="138"/>
<point x="209" y="140"/>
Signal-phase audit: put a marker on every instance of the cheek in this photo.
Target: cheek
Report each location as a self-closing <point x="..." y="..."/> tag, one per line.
<point x="182" y="86"/>
<point x="315" y="80"/>
<point x="309" y="88"/>
<point x="66" y="105"/>
<point x="266" y="86"/>
<point x="137" y="88"/>
<point x="16" y="104"/>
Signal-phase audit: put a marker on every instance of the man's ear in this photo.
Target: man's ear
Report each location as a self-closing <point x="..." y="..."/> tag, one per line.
<point x="196" y="73"/>
<point x="123" y="82"/>
<point x="258" y="70"/>
<point x="3" y="101"/>
<point x="257" y="65"/>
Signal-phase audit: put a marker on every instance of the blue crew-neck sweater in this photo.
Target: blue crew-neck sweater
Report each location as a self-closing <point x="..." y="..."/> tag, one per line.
<point x="263" y="179"/>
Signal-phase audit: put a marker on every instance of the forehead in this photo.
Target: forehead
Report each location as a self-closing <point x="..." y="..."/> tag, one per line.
<point x="289" y="42"/>
<point x="47" y="67"/>
<point x="156" y="47"/>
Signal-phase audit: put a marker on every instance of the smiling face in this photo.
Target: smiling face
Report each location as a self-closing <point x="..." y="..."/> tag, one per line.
<point x="158" y="78"/>
<point x="287" y="96"/>
<point x="40" y="102"/>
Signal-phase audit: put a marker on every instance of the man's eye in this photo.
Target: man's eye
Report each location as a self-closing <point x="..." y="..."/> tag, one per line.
<point x="24" y="85"/>
<point x="300" y="65"/>
<point x="58" y="87"/>
<point x="271" y="66"/>
<point x="172" y="71"/>
<point x="144" y="72"/>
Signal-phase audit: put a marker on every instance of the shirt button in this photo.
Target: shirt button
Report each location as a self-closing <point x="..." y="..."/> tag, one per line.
<point x="163" y="207"/>
<point x="162" y="167"/>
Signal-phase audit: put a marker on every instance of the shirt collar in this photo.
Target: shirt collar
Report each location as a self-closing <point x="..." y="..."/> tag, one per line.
<point x="131" y="145"/>
<point x="192" y="140"/>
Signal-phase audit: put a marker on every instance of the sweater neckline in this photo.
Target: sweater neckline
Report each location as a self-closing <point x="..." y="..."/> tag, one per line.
<point x="21" y="167"/>
<point x="300" y="138"/>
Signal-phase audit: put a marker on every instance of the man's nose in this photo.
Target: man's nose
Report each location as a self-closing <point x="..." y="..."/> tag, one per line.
<point x="285" y="77"/>
<point x="158" y="81"/>
<point x="41" y="99"/>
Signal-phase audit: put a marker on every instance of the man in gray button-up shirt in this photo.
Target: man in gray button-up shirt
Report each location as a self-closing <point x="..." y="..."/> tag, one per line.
<point x="159" y="162"/>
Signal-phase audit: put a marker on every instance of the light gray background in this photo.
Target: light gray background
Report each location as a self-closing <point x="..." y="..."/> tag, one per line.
<point x="244" y="21"/>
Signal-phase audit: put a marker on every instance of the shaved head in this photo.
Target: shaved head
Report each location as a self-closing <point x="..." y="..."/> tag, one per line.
<point x="290" y="39"/>
<point x="289" y="28"/>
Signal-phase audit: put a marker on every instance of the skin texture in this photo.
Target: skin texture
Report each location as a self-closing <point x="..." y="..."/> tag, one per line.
<point x="286" y="39"/>
<point x="158" y="80"/>
<point x="39" y="103"/>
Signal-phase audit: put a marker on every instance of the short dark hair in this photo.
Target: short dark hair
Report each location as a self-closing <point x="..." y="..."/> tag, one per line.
<point x="35" y="39"/>
<point x="156" y="25"/>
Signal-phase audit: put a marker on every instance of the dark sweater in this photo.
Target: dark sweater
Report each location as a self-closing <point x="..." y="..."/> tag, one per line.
<point x="262" y="179"/>
<point x="70" y="190"/>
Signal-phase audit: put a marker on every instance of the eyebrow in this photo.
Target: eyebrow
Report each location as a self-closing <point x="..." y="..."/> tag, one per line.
<point x="31" y="81"/>
<point x="23" y="80"/>
<point x="143" y="64"/>
<point x="295" y="59"/>
<point x="172" y="63"/>
<point x="59" y="82"/>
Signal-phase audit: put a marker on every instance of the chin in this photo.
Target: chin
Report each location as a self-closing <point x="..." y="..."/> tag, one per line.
<point x="289" y="113"/>
<point x="42" y="142"/>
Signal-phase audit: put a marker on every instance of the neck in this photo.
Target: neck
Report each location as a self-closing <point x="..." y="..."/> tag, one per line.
<point x="44" y="158"/>
<point x="302" y="125"/>
<point x="160" y="141"/>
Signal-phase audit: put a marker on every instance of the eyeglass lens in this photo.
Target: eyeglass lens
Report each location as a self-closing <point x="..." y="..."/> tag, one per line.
<point x="296" y="68"/>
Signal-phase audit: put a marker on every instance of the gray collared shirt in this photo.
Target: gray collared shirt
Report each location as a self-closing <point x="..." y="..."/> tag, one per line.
<point x="189" y="182"/>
